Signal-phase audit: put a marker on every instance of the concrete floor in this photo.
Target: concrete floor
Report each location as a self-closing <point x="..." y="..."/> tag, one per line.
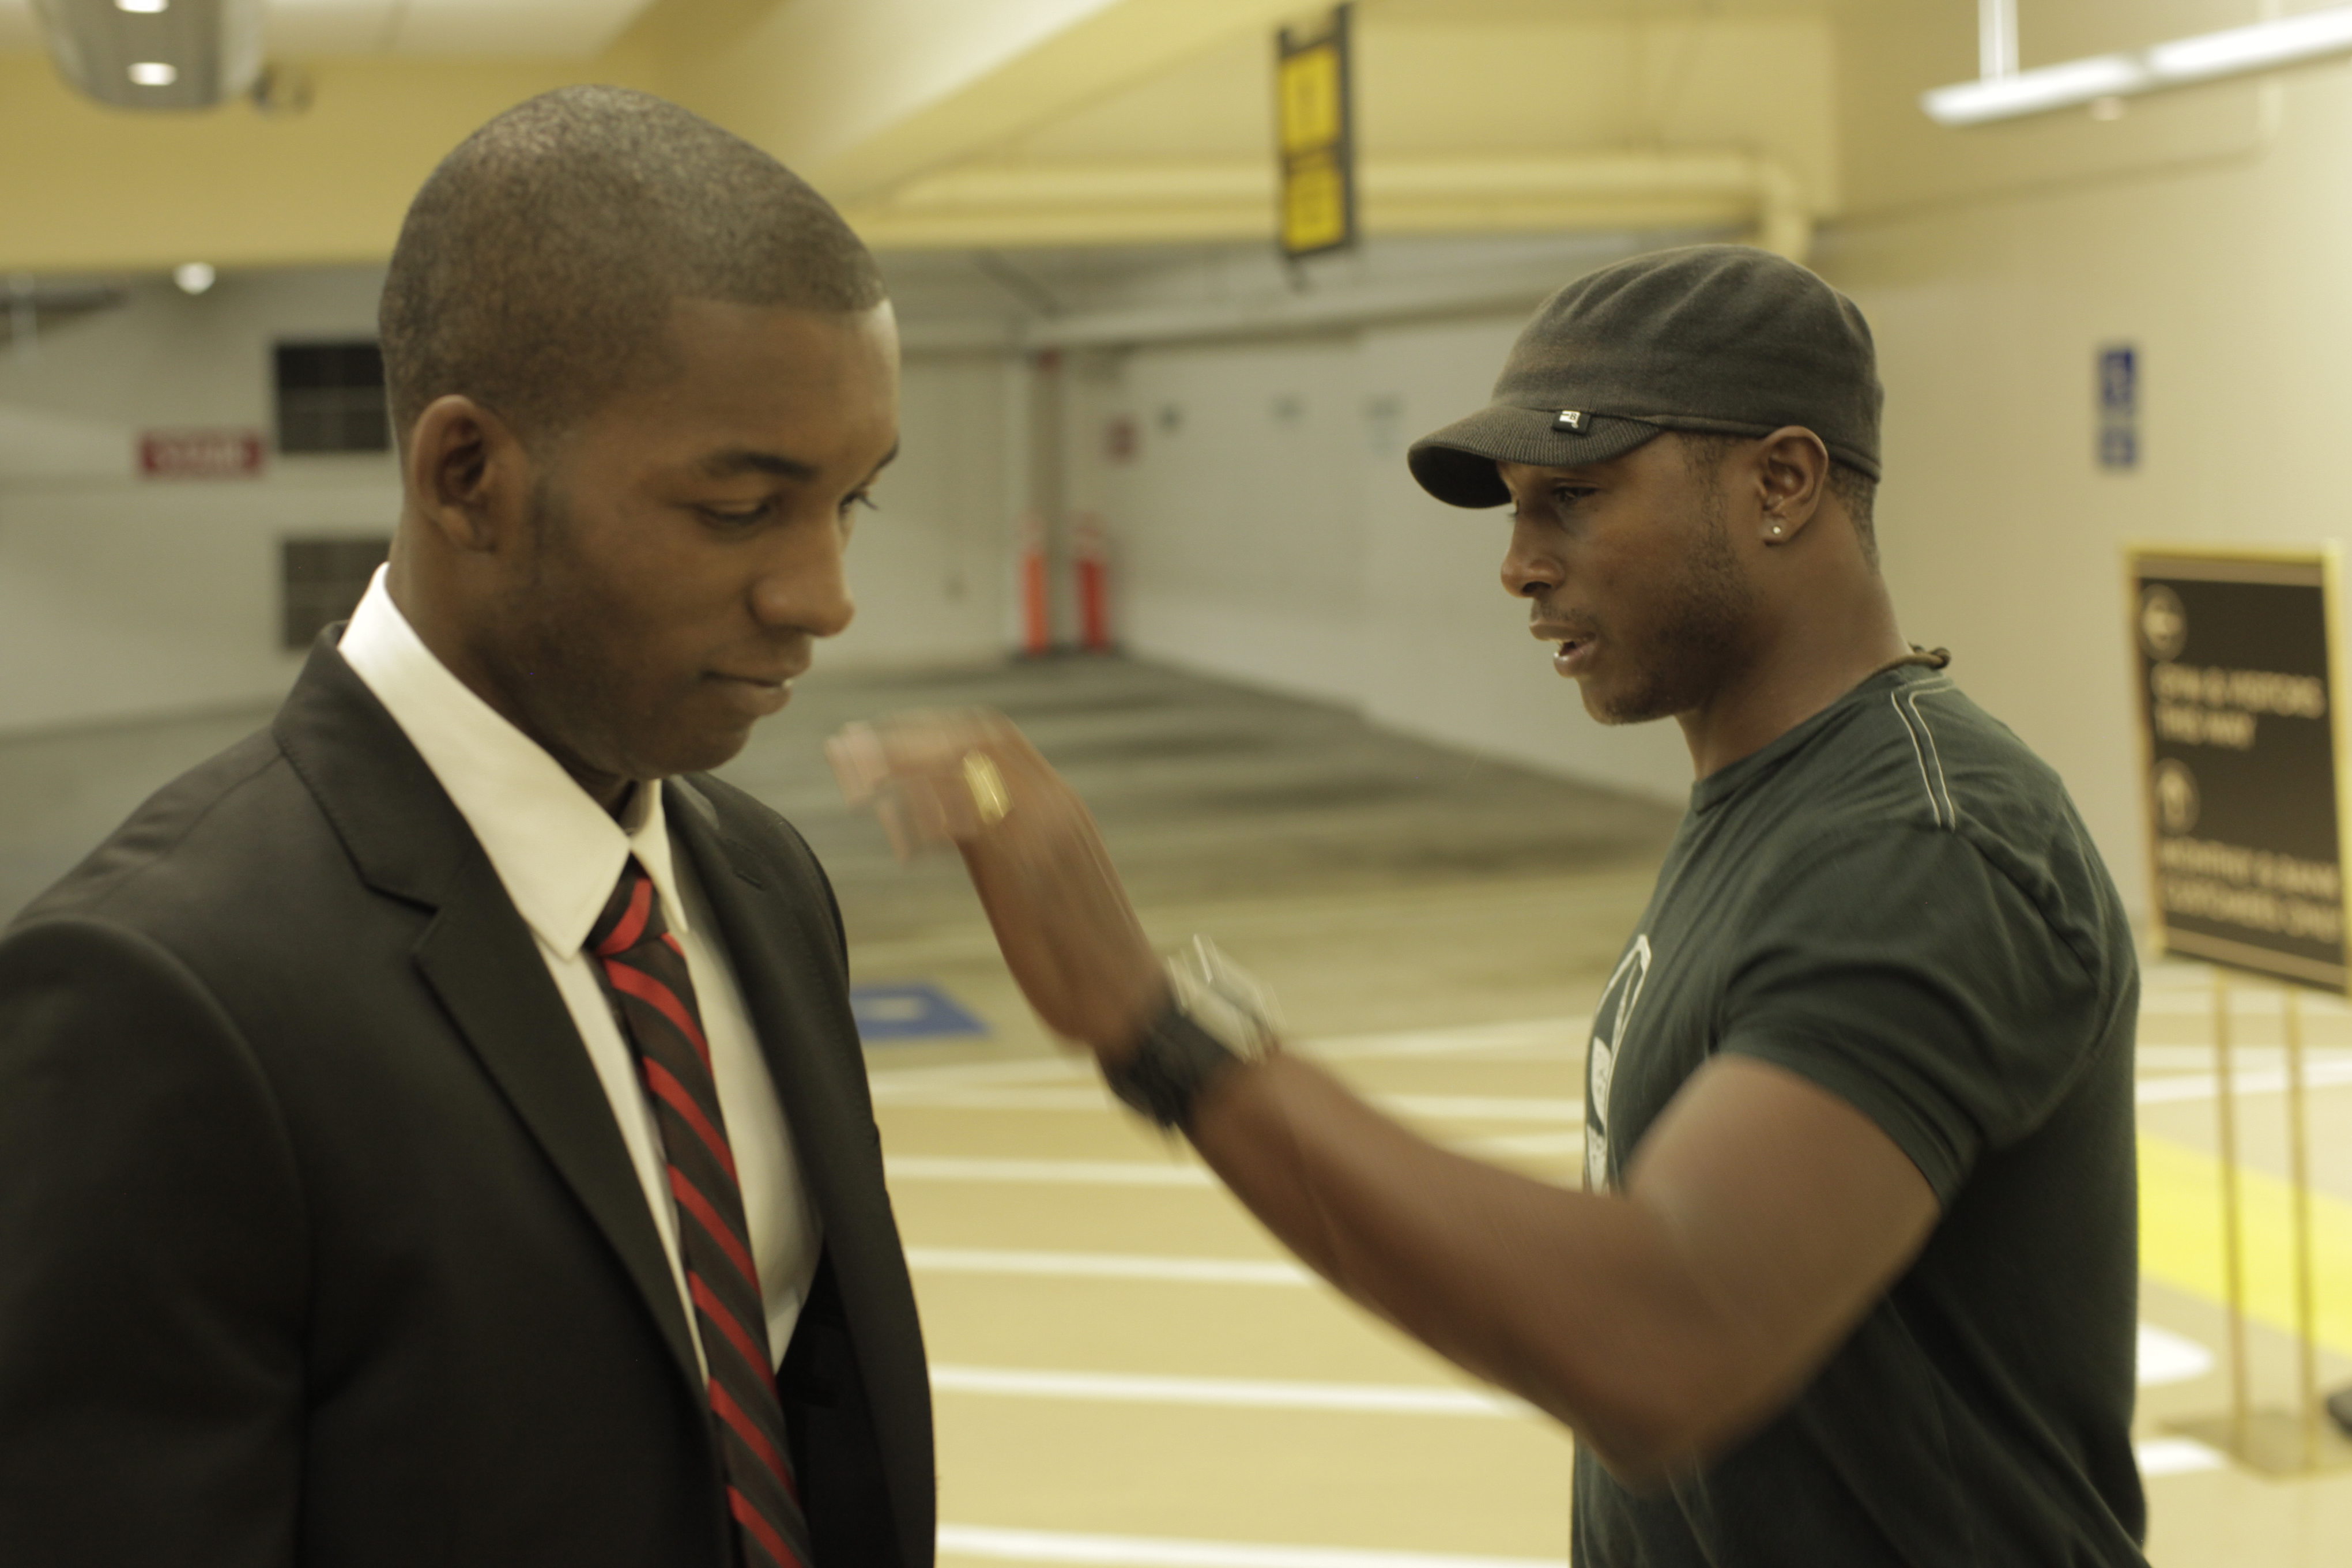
<point x="1127" y="1370"/>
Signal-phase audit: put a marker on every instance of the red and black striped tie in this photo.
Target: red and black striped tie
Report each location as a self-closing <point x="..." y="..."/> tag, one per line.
<point x="644" y="971"/>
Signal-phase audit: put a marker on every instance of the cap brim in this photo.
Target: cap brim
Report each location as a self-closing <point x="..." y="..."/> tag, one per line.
<point x="1457" y="464"/>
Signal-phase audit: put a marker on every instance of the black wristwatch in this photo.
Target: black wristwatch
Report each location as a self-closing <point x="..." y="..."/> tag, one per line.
<point x="1217" y="1019"/>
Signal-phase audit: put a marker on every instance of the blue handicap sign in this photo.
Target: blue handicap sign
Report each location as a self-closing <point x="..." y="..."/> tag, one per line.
<point x="913" y="1011"/>
<point x="2119" y="381"/>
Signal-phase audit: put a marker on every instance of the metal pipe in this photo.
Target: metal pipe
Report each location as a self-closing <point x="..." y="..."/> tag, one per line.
<point x="1996" y="39"/>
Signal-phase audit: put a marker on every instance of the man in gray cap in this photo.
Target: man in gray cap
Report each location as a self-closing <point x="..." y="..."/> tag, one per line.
<point x="1852" y="1278"/>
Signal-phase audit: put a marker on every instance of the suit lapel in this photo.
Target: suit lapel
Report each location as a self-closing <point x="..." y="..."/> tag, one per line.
<point x="776" y="919"/>
<point x="409" y="842"/>
<point x="781" y="955"/>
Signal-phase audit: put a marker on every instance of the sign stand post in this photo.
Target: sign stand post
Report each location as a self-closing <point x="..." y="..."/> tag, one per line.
<point x="2306" y="1315"/>
<point x="2234" y="1255"/>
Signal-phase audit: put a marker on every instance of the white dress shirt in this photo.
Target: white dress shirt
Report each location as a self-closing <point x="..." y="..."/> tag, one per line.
<point x="560" y="855"/>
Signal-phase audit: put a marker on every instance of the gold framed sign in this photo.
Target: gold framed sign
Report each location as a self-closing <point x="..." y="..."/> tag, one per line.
<point x="2236" y="653"/>
<point x="1318" y="134"/>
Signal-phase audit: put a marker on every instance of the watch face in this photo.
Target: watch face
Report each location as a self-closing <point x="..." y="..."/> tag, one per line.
<point x="1225" y="999"/>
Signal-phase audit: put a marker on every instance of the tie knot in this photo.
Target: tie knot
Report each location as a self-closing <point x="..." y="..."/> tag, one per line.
<point x="631" y="915"/>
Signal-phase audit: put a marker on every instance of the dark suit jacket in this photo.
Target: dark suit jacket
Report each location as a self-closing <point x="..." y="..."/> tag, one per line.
<point x="318" y="1244"/>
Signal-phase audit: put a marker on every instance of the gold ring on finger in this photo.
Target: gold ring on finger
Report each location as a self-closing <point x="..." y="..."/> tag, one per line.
<point x="989" y="797"/>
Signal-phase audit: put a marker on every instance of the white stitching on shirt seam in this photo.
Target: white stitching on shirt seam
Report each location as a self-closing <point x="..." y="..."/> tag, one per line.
<point x="1910" y="696"/>
<point x="1910" y="729"/>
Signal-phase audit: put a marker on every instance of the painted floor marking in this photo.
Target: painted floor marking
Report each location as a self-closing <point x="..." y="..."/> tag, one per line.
<point x="2180" y="1238"/>
<point x="911" y="1010"/>
<point x="1233" y="1393"/>
<point x="1434" y="1107"/>
<point x="2175" y="1457"/>
<point x="1080" y="1173"/>
<point x="965" y="1075"/>
<point x="1562" y="1036"/>
<point x="2167" y="1357"/>
<point x="2180" y="1088"/>
<point x="1056" y="1546"/>
<point x="1106" y="1265"/>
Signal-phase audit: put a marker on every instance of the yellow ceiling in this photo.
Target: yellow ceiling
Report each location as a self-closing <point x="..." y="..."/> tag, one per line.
<point x="1004" y="123"/>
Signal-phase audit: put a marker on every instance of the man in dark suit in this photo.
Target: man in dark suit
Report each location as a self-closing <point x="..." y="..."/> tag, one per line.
<point x="426" y="1127"/>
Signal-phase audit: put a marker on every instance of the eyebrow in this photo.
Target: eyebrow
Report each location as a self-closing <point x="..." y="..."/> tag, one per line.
<point x="748" y="460"/>
<point x="744" y="460"/>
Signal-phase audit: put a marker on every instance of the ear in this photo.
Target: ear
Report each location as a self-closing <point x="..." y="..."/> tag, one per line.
<point x="466" y="474"/>
<point x="1791" y="473"/>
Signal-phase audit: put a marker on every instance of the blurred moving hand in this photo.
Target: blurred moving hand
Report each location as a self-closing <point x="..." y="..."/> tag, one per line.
<point x="970" y="778"/>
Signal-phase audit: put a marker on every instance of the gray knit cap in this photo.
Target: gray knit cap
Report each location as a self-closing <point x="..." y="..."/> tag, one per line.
<point x="1720" y="338"/>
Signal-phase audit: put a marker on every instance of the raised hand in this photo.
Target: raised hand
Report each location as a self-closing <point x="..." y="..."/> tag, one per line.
<point x="972" y="779"/>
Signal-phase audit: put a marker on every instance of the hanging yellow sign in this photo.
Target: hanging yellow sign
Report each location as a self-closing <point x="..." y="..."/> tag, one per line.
<point x="1319" y="154"/>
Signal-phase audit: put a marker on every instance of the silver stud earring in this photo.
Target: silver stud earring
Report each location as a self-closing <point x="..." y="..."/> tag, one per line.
<point x="1775" y="530"/>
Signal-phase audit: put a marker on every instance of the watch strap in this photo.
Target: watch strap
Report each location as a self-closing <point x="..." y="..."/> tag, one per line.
<point x="1177" y="1061"/>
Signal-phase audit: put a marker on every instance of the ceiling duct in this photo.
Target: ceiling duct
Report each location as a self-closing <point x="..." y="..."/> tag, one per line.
<point x="155" y="54"/>
<point x="28" y="308"/>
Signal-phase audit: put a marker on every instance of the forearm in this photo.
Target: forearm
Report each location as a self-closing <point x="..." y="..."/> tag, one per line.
<point x="1580" y="1303"/>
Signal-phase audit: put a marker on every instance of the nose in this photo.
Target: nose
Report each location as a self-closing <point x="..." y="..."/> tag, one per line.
<point x="1531" y="568"/>
<point x="804" y="585"/>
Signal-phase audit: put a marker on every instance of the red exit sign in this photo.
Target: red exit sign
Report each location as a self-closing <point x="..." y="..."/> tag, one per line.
<point x="202" y="454"/>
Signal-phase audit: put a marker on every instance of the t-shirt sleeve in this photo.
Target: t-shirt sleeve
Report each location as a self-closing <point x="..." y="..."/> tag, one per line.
<point x="1901" y="972"/>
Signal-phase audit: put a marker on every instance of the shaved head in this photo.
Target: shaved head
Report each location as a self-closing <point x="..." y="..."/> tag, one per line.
<point x="536" y="270"/>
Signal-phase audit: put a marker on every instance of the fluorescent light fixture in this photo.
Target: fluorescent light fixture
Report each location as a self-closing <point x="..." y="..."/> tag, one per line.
<point x="2289" y="40"/>
<point x="194" y="276"/>
<point x="2209" y="56"/>
<point x="2036" y="92"/>
<point x="155" y="55"/>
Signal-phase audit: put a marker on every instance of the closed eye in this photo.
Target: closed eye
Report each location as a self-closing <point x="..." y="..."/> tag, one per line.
<point x="738" y="517"/>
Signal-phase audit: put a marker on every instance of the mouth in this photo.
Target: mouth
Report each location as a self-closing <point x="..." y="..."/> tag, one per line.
<point x="765" y="692"/>
<point x="1572" y="649"/>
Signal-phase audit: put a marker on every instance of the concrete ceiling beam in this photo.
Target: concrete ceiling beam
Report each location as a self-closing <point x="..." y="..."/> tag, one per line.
<point x="862" y="95"/>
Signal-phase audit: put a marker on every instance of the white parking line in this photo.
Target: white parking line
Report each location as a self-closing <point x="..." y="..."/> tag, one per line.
<point x="1434" y="1107"/>
<point x="2175" y="1457"/>
<point x="2164" y="1357"/>
<point x="2186" y="1086"/>
<point x="1106" y="1265"/>
<point x="2167" y="1357"/>
<point x="1238" y="1393"/>
<point x="1074" y="1172"/>
<point x="1521" y="1038"/>
<point x="1151" y="1551"/>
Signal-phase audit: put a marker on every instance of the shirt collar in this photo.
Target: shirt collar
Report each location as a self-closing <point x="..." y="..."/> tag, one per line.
<point x="558" y="852"/>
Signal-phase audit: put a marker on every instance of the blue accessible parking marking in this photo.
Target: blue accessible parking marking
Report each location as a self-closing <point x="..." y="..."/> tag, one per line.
<point x="885" y="1014"/>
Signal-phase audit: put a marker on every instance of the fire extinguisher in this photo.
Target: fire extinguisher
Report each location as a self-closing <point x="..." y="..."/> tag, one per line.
<point x="1036" y="615"/>
<point x="1092" y="563"/>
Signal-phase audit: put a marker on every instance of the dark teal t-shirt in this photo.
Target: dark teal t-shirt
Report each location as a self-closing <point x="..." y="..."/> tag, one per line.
<point x="1898" y="900"/>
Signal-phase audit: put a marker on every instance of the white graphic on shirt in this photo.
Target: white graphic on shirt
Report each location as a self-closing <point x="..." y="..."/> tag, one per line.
<point x="1609" y="1021"/>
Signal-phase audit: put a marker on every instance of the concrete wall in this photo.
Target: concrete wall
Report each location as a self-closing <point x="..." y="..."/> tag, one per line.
<point x="2207" y="229"/>
<point x="1273" y="534"/>
<point x="123" y="597"/>
<point x="1267" y="530"/>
